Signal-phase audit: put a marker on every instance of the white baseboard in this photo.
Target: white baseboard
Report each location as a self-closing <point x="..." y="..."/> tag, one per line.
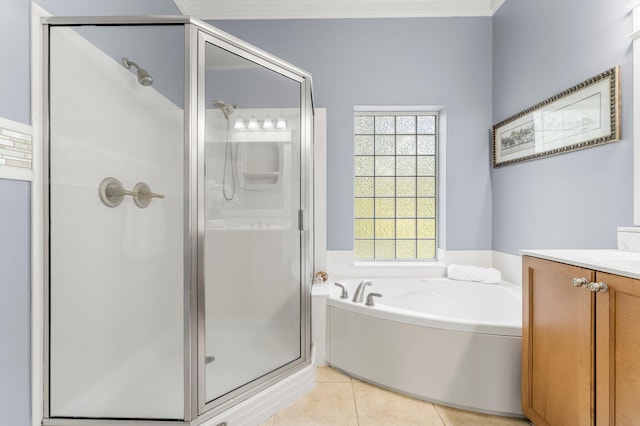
<point x="480" y="258"/>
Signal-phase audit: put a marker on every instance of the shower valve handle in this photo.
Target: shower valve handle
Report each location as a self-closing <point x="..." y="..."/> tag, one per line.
<point x="144" y="195"/>
<point x="116" y="192"/>
<point x="112" y="193"/>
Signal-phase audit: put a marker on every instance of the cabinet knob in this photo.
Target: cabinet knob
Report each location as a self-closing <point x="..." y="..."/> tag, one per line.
<point x="598" y="287"/>
<point x="579" y="282"/>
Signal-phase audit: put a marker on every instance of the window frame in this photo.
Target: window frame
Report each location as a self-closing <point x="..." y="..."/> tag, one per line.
<point x="400" y="111"/>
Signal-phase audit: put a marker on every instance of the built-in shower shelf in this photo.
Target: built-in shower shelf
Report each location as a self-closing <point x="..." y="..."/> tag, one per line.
<point x="260" y="180"/>
<point x="261" y="175"/>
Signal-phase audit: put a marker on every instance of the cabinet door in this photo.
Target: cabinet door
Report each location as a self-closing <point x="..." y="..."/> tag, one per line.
<point x="617" y="351"/>
<point x="557" y="344"/>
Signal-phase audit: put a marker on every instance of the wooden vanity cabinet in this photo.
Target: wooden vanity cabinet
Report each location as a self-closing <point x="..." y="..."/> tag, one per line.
<point x="580" y="349"/>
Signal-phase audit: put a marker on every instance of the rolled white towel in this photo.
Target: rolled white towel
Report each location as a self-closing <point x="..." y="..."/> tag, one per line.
<point x="474" y="273"/>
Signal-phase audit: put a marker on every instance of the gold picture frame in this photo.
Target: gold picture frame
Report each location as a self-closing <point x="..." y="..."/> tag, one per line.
<point x="582" y="116"/>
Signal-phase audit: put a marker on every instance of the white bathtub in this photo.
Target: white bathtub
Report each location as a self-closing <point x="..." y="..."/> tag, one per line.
<point x="455" y="343"/>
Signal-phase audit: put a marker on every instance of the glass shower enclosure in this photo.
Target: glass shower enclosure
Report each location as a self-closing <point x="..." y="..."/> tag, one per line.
<point x="178" y="220"/>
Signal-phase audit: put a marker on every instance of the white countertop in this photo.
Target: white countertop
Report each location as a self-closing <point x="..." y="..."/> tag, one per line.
<point x="618" y="262"/>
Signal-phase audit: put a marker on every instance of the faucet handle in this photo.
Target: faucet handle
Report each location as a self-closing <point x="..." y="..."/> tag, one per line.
<point x="345" y="294"/>
<point x="370" y="297"/>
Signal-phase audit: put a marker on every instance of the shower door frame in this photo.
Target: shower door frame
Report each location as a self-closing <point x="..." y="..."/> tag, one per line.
<point x="236" y="46"/>
<point x="196" y="410"/>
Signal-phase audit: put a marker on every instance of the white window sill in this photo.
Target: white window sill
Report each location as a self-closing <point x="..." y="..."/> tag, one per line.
<point x="399" y="264"/>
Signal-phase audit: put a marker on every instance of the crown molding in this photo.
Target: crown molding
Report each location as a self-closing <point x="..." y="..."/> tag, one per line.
<point x="334" y="9"/>
<point x="182" y="5"/>
<point x="496" y="4"/>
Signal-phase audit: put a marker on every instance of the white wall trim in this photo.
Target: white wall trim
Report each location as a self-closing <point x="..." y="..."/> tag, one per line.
<point x="341" y="264"/>
<point x="323" y="9"/>
<point x="320" y="188"/>
<point x="15" y="125"/>
<point x="441" y="200"/>
<point x="509" y="265"/>
<point x="15" y="173"/>
<point x="635" y="34"/>
<point x="496" y="5"/>
<point x="319" y="295"/>
<point x="182" y="5"/>
<point x="37" y="219"/>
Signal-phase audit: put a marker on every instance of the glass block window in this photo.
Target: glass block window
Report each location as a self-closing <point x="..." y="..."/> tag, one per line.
<point x="395" y="186"/>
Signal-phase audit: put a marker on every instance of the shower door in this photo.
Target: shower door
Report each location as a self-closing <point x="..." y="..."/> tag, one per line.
<point x="115" y="246"/>
<point x="251" y="306"/>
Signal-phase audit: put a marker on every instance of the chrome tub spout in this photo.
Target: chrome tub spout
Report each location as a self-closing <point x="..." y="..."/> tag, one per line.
<point x="358" y="296"/>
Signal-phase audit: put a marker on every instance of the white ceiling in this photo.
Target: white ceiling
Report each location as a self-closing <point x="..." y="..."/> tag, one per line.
<point x="319" y="9"/>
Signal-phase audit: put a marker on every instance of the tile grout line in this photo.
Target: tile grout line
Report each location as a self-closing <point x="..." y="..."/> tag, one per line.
<point x="355" y="402"/>
<point x="435" y="407"/>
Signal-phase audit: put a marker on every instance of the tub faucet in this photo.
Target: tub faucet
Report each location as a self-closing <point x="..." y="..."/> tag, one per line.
<point x="370" y="297"/>
<point x="344" y="294"/>
<point x="359" y="294"/>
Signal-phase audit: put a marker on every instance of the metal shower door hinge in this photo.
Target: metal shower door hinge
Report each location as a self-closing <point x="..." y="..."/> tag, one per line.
<point x="300" y="220"/>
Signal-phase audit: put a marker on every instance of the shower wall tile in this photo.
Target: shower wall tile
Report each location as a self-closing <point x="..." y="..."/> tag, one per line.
<point x="16" y="147"/>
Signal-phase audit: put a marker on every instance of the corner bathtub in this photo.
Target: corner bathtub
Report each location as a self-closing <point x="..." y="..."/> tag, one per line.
<point x="455" y="343"/>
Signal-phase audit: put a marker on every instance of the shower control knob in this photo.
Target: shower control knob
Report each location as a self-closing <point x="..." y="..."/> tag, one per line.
<point x="112" y="193"/>
<point x="144" y="195"/>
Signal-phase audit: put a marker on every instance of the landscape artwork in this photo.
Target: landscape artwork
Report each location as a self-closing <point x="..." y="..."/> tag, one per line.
<point x="582" y="116"/>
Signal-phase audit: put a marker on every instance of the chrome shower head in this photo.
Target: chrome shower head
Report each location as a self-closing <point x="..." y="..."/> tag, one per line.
<point x="144" y="78"/>
<point x="227" y="109"/>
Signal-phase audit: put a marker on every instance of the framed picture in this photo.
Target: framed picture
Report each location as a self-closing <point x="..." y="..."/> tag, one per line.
<point x="582" y="116"/>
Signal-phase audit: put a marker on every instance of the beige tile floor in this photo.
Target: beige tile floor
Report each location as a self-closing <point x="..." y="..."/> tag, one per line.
<point x="339" y="400"/>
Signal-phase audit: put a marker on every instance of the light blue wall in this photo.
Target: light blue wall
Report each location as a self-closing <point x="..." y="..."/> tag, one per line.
<point x="159" y="49"/>
<point x="109" y="8"/>
<point x="15" y="213"/>
<point x="15" y="287"/>
<point x="15" y="49"/>
<point x="429" y="61"/>
<point x="574" y="200"/>
<point x="134" y="43"/>
<point x="15" y="17"/>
